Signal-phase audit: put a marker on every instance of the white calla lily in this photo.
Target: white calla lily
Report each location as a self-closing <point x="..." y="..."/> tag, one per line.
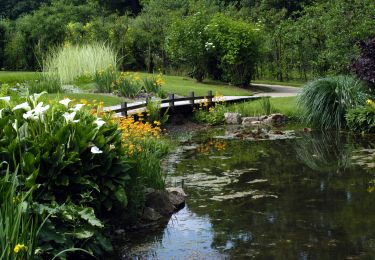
<point x="6" y="99"/>
<point x="99" y="122"/>
<point x="35" y="97"/>
<point x="69" y="117"/>
<point x="95" y="150"/>
<point x="40" y="109"/>
<point x="1" y="113"/>
<point x="77" y="107"/>
<point x="65" y="102"/>
<point x="24" y="106"/>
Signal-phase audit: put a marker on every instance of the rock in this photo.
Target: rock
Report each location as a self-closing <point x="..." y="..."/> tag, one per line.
<point x="275" y="119"/>
<point x="149" y="214"/>
<point x="177" y="196"/>
<point x="246" y="121"/>
<point x="160" y="202"/>
<point x="232" y="118"/>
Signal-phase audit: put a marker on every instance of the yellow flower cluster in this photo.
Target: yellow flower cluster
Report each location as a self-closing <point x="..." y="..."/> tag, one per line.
<point x="19" y="248"/>
<point x="370" y="103"/>
<point x="134" y="132"/>
<point x="159" y="80"/>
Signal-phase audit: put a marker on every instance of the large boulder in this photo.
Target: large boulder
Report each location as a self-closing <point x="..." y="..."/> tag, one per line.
<point x="177" y="196"/>
<point x="149" y="214"/>
<point x="159" y="201"/>
<point x="232" y="118"/>
<point x="248" y="121"/>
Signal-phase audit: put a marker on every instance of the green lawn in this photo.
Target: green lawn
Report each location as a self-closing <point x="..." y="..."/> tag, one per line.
<point x="284" y="105"/>
<point x="13" y="77"/>
<point x="108" y="100"/>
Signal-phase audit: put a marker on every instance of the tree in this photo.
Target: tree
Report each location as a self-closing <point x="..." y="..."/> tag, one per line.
<point x="364" y="66"/>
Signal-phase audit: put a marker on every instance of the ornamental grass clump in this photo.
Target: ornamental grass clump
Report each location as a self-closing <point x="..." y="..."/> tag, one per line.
<point x="71" y="61"/>
<point x="324" y="102"/>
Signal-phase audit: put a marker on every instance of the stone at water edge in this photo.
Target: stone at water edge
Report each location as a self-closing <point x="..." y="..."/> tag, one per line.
<point x="159" y="201"/>
<point x="233" y="118"/>
<point x="246" y="121"/>
<point x="275" y="119"/>
<point x="177" y="196"/>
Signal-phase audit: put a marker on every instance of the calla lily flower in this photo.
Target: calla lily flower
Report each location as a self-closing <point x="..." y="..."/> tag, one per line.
<point x="65" y="102"/>
<point x="6" y="99"/>
<point x="95" y="150"/>
<point x="1" y="113"/>
<point x="99" y="122"/>
<point x="35" y="97"/>
<point x="24" y="106"/>
<point x="69" y="117"/>
<point x="77" y="107"/>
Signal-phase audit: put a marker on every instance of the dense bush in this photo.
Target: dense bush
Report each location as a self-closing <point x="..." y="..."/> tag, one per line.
<point x="325" y="101"/>
<point x="364" y="67"/>
<point x="362" y="118"/>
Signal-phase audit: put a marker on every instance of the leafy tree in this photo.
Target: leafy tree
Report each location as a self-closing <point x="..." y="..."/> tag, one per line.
<point x="237" y="46"/>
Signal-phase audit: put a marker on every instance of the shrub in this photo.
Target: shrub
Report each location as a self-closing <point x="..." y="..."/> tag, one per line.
<point x="324" y="102"/>
<point x="72" y="61"/>
<point x="211" y="116"/>
<point x="154" y="85"/>
<point x="362" y="118"/>
<point x="153" y="109"/>
<point x="364" y="67"/>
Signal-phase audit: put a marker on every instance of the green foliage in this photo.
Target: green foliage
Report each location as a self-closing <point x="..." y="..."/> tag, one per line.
<point x="18" y="224"/>
<point x="361" y="119"/>
<point x="266" y="105"/>
<point x="49" y="83"/>
<point x="105" y="79"/>
<point x="236" y="44"/>
<point x="153" y="113"/>
<point x="325" y="101"/>
<point x="186" y="41"/>
<point x="211" y="116"/>
<point x="128" y="86"/>
<point x="70" y="62"/>
<point x="58" y="149"/>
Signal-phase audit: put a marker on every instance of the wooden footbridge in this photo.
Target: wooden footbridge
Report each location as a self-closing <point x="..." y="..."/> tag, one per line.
<point x="183" y="105"/>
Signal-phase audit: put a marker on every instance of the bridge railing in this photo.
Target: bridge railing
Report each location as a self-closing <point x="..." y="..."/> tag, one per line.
<point x="171" y="100"/>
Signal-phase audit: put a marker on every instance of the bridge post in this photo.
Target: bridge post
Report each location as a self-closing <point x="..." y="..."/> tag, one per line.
<point x="209" y="97"/>
<point x="124" y="107"/>
<point x="191" y="96"/>
<point x="171" y="100"/>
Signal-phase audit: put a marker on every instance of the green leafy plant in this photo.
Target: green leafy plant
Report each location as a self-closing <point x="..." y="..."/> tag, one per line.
<point x="266" y="105"/>
<point x="129" y="85"/>
<point x="324" y="102"/>
<point x="212" y="115"/>
<point x="105" y="79"/>
<point x="19" y="226"/>
<point x="362" y="118"/>
<point x="153" y="109"/>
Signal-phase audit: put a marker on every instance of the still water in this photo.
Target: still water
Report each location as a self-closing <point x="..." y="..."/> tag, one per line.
<point x="308" y="197"/>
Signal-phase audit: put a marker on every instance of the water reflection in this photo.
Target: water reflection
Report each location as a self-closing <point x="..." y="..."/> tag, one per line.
<point x="270" y="199"/>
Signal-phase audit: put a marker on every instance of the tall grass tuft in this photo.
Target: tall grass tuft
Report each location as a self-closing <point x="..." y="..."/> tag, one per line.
<point x="324" y="102"/>
<point x="46" y="82"/>
<point x="266" y="105"/>
<point x="71" y="61"/>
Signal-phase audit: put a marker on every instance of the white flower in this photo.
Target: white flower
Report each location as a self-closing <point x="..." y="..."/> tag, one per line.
<point x="6" y="99"/>
<point x="99" y="122"/>
<point x="1" y="113"/>
<point x="40" y="109"/>
<point x="65" y="102"/>
<point x="30" y="114"/>
<point x="35" y="97"/>
<point x="95" y="150"/>
<point x="24" y="106"/>
<point x="69" y="118"/>
<point x="77" y="107"/>
<point x="14" y="125"/>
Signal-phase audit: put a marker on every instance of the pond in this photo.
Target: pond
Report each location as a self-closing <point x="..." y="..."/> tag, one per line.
<point x="307" y="197"/>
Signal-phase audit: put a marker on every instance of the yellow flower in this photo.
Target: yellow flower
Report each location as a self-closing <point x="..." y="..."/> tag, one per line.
<point x="369" y="101"/>
<point x="371" y="189"/>
<point x="19" y="248"/>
